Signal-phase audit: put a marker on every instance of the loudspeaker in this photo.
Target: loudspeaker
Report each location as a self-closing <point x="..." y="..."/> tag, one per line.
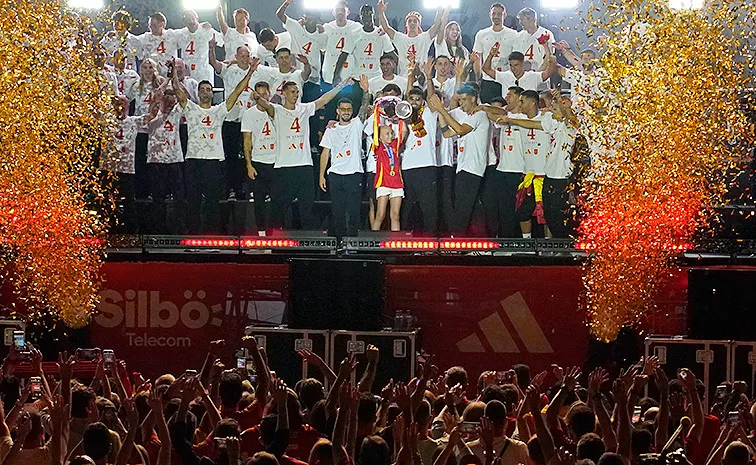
<point x="721" y="304"/>
<point x="335" y="294"/>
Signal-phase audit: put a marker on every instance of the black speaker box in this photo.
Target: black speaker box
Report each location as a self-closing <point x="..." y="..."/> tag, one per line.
<point x="722" y="304"/>
<point x="336" y="294"/>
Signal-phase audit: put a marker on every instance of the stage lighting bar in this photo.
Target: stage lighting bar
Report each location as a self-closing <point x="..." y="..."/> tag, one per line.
<point x="515" y="246"/>
<point x="409" y="244"/>
<point x="320" y="243"/>
<point x="556" y="246"/>
<point x="189" y="244"/>
<point x="468" y="244"/>
<point x="668" y="246"/>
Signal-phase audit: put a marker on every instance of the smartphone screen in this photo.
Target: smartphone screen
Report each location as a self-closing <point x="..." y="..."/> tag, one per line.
<point x="636" y="414"/>
<point x="19" y="339"/>
<point x="241" y="363"/>
<point x="108" y="356"/>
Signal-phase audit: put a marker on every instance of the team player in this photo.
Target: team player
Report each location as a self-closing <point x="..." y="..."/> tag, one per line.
<point x="295" y="178"/>
<point x="341" y="34"/>
<point x="389" y="186"/>
<point x="239" y="35"/>
<point x="270" y="42"/>
<point x="284" y="73"/>
<point x="125" y="76"/>
<point x="232" y="74"/>
<point x="504" y="39"/>
<point x="260" y="149"/>
<point x="205" y="151"/>
<point x="516" y="76"/>
<point x="470" y="125"/>
<point x="164" y="162"/>
<point x="193" y="41"/>
<point x="142" y="92"/>
<point x="121" y="40"/>
<point x="559" y="167"/>
<point x="371" y="44"/>
<point x="308" y="39"/>
<point x="489" y="195"/>
<point x="530" y="39"/>
<point x="419" y="157"/>
<point x="159" y="43"/>
<point x="387" y="76"/>
<point x="342" y="147"/>
<point x="119" y="161"/>
<point x="535" y="143"/>
<point x="415" y="42"/>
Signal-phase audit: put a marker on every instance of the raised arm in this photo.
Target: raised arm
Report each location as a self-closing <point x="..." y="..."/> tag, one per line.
<point x="156" y="403"/>
<point x="598" y="377"/>
<point x="382" y="5"/>
<point x="267" y="106"/>
<point x="180" y="93"/>
<point x="523" y="123"/>
<point x="487" y="68"/>
<point x="436" y="27"/>
<point x="365" y="107"/>
<point x="231" y="100"/>
<point x="430" y="88"/>
<point x="340" y="453"/>
<point x="549" y="66"/>
<point x="331" y="94"/>
<point x="128" y="444"/>
<point x="263" y="374"/>
<point x="441" y="33"/>
<point x="281" y="12"/>
<point x="368" y="378"/>
<point x="339" y="66"/>
<point x="624" y="421"/>
<point x="307" y="71"/>
<point x="217" y="66"/>
<point x="661" y="433"/>
<point x="574" y="60"/>
<point x="315" y="360"/>
<point x="438" y="106"/>
<point x="689" y="381"/>
<point x="221" y="19"/>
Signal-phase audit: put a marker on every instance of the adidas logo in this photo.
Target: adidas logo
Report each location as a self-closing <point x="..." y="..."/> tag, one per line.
<point x="499" y="337"/>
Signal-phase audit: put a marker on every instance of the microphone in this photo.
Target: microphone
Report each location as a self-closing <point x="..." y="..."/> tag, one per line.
<point x="684" y="425"/>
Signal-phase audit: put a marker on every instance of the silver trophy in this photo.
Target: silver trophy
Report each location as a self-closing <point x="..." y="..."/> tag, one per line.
<point x="394" y="107"/>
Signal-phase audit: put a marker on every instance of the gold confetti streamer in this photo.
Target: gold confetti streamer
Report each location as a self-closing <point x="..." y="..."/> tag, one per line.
<point x="664" y="126"/>
<point x="54" y="114"/>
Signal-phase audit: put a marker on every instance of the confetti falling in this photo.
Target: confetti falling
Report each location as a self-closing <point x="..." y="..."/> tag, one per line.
<point x="664" y="125"/>
<point x="53" y="117"/>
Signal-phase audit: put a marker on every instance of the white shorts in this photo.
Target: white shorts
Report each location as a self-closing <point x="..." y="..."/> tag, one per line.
<point x="392" y="193"/>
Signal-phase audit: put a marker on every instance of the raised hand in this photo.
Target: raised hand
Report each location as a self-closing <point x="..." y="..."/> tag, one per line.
<point x="487" y="432"/>
<point x="372" y="352"/>
<point x="250" y="342"/>
<point x="387" y="393"/>
<point x="364" y="83"/>
<point x="212" y="42"/>
<point x="459" y="67"/>
<point x="280" y="391"/>
<point x="494" y="50"/>
<point x="661" y="381"/>
<point x="381" y="6"/>
<point x="303" y="59"/>
<point x="597" y="377"/>
<point x="538" y="379"/>
<point x="688" y="380"/>
<point x="347" y="366"/>
<point x="402" y="397"/>
<point x="533" y="399"/>
<point x="65" y="365"/>
<point x="216" y="347"/>
<point x="571" y="378"/>
<point x="428" y="68"/>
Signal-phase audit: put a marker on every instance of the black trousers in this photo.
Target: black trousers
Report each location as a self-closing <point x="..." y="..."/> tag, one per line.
<point x="297" y="182"/>
<point x="421" y="188"/>
<point x="466" y="188"/>
<point x="555" y="206"/>
<point x="141" y="175"/>
<point x="489" y="90"/>
<point x="261" y="187"/>
<point x="345" y="190"/>
<point x="446" y="196"/>
<point x="203" y="178"/>
<point x="506" y="185"/>
<point x="167" y="179"/>
<point x="489" y="197"/>
<point x="234" y="164"/>
<point x="125" y="217"/>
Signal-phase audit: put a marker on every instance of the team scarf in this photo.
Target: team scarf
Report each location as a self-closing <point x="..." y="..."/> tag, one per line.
<point x="418" y="126"/>
<point x="532" y="185"/>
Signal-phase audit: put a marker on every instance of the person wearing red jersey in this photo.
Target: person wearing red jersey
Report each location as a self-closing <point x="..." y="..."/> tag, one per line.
<point x="389" y="186"/>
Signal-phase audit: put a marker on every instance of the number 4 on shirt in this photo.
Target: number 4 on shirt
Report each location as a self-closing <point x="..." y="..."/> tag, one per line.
<point x="532" y="134"/>
<point x="161" y="47"/>
<point x="190" y="48"/>
<point x="529" y="52"/>
<point x="295" y="125"/>
<point x="307" y="47"/>
<point x="369" y="49"/>
<point x="207" y="121"/>
<point x="266" y="129"/>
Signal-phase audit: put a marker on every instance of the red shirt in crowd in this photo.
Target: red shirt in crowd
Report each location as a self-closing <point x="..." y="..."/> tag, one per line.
<point x="388" y="171"/>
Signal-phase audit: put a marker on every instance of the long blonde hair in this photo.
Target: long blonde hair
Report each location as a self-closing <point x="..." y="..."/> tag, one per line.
<point x="155" y="77"/>
<point x="461" y="51"/>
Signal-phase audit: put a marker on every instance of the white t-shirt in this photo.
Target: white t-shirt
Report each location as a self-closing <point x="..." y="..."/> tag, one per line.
<point x="268" y="57"/>
<point x="530" y="80"/>
<point x="510" y="147"/>
<point x="472" y="147"/>
<point x="142" y="97"/>
<point x="368" y="50"/>
<point x="276" y="79"/>
<point x="421" y="152"/>
<point x="536" y="144"/>
<point x="232" y="75"/>
<point x="443" y="49"/>
<point x="293" y="128"/>
<point x="233" y="39"/>
<point x="339" y="39"/>
<point x="164" y="145"/>
<point x="264" y="136"/>
<point x="162" y="48"/>
<point x="486" y="38"/>
<point x="345" y="144"/>
<point x="406" y="45"/>
<point x="195" y="50"/>
<point x="528" y="45"/>
<point x="192" y="88"/>
<point x="127" y="44"/>
<point x="377" y="83"/>
<point x="447" y="89"/>
<point x="307" y="44"/>
<point x="559" y="159"/>
<point x="125" y="79"/>
<point x="203" y="127"/>
<point x="445" y="153"/>
<point x="120" y="158"/>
